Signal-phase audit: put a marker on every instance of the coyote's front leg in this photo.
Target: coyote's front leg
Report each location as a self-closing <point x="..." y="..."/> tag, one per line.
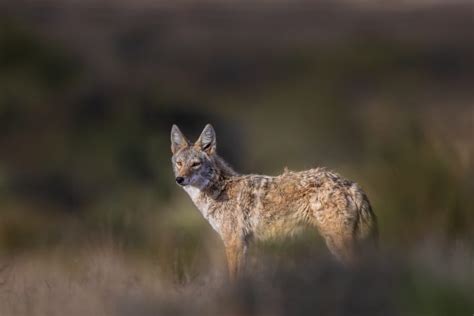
<point x="236" y="251"/>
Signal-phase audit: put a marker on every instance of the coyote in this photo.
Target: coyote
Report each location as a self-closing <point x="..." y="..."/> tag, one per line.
<point x="245" y="207"/>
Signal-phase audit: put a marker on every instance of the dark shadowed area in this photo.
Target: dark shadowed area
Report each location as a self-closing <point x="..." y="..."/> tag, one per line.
<point x="92" y="222"/>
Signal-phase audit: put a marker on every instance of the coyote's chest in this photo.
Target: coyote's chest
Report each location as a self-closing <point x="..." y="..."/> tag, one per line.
<point x="204" y="206"/>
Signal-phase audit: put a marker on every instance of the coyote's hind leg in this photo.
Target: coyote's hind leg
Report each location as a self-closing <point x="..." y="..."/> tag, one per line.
<point x="343" y="248"/>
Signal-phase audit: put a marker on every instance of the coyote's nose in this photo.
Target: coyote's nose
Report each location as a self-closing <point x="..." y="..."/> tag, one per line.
<point x="180" y="180"/>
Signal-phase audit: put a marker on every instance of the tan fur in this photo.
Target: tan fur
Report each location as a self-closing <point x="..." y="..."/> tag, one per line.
<point x="243" y="207"/>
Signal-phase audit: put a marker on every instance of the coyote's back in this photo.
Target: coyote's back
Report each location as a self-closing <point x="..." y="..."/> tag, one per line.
<point x="243" y="207"/>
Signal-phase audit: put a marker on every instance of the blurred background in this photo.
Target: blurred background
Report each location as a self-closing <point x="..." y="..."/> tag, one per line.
<point x="382" y="92"/>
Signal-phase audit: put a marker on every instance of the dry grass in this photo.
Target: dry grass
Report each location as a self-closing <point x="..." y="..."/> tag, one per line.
<point x="106" y="281"/>
<point x="99" y="282"/>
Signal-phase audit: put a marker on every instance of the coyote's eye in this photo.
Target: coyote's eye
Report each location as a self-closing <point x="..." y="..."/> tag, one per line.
<point x="196" y="165"/>
<point x="179" y="164"/>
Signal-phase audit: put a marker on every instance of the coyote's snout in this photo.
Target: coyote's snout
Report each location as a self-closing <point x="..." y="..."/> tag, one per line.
<point x="243" y="207"/>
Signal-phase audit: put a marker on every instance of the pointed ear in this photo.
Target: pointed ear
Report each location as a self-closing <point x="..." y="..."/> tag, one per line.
<point x="178" y="141"/>
<point x="207" y="140"/>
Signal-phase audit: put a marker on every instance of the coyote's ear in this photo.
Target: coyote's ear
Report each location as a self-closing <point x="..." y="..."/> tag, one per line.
<point x="207" y="140"/>
<point x="178" y="141"/>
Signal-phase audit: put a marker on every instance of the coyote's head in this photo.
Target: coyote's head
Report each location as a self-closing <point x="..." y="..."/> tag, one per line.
<point x="194" y="164"/>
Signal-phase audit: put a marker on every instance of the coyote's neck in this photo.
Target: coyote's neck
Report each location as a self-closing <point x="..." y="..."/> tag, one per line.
<point x="207" y="199"/>
<point x="223" y="173"/>
<point x="202" y="197"/>
<point x="223" y="169"/>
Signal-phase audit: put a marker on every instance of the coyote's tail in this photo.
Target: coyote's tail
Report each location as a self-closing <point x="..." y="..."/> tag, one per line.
<point x="367" y="232"/>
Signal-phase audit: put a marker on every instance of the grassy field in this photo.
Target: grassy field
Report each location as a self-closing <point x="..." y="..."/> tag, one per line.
<point x="91" y="221"/>
<point x="107" y="281"/>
